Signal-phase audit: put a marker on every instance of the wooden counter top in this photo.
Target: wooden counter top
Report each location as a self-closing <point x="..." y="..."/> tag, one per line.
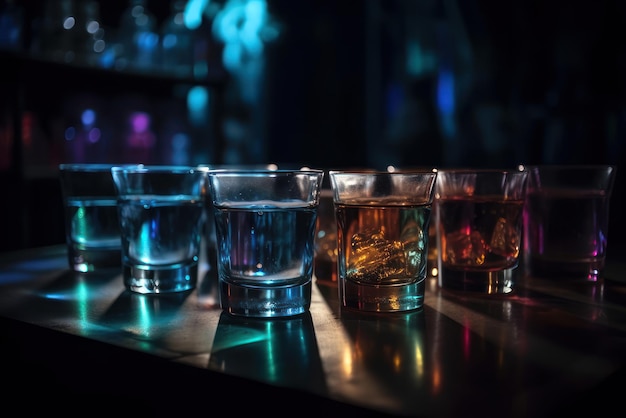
<point x="549" y="348"/>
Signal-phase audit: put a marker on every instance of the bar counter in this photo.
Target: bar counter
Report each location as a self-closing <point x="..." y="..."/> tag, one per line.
<point x="80" y="343"/>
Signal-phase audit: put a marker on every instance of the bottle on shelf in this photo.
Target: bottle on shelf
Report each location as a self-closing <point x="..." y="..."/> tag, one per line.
<point x="11" y="23"/>
<point x="69" y="31"/>
<point x="55" y="32"/>
<point x="138" y="37"/>
<point x="177" y="42"/>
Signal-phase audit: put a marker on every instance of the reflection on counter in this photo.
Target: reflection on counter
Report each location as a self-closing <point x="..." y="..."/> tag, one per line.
<point x="277" y="351"/>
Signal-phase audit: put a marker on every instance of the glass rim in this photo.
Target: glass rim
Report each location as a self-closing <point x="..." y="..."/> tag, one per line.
<point x="260" y="166"/>
<point x="468" y="170"/>
<point x="263" y="171"/>
<point x="613" y="167"/>
<point x="155" y="168"/>
<point x="85" y="167"/>
<point x="383" y="172"/>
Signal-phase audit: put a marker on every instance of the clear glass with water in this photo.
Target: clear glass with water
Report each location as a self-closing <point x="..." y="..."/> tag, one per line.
<point x="93" y="233"/>
<point x="91" y="222"/>
<point x="161" y="214"/>
<point x="265" y="230"/>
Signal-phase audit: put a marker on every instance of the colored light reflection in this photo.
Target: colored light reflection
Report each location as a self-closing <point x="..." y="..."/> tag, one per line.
<point x="272" y="374"/>
<point x="419" y="356"/>
<point x="82" y="303"/>
<point x="467" y="340"/>
<point x="80" y="228"/>
<point x="14" y="277"/>
<point x="347" y="363"/>
<point x="39" y="265"/>
<point x="79" y="291"/>
<point x="277" y="351"/>
<point x="144" y="316"/>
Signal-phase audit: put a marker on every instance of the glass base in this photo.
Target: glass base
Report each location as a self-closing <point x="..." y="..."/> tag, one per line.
<point x="377" y="298"/>
<point x="150" y="280"/>
<point x="589" y="270"/>
<point x="265" y="302"/>
<point x="487" y="282"/>
<point x="90" y="260"/>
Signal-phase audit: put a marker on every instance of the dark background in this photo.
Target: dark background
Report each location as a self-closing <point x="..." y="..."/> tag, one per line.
<point x="408" y="83"/>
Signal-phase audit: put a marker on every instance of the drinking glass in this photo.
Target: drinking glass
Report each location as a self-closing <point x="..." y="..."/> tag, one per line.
<point x="479" y="228"/>
<point x="382" y="238"/>
<point x="92" y="229"/>
<point x="209" y="225"/>
<point x="161" y="213"/>
<point x="265" y="230"/>
<point x="566" y="221"/>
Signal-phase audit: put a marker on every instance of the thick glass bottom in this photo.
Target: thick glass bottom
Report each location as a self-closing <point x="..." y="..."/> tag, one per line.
<point x="151" y="280"/>
<point x="572" y="270"/>
<point x="265" y="302"/>
<point x="382" y="298"/>
<point x="487" y="282"/>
